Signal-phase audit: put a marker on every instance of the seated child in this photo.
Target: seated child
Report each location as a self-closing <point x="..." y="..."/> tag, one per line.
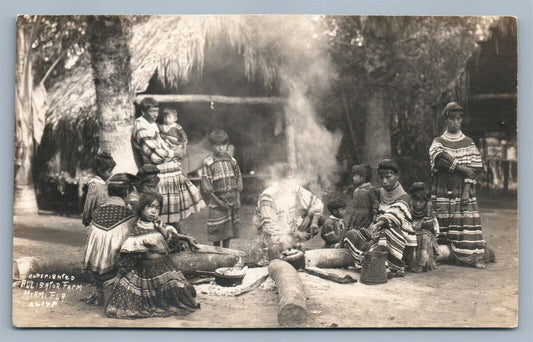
<point x="149" y="283"/>
<point x="365" y="198"/>
<point x="334" y="229"/>
<point x="103" y="165"/>
<point x="172" y="133"/>
<point x="221" y="186"/>
<point x="426" y="228"/>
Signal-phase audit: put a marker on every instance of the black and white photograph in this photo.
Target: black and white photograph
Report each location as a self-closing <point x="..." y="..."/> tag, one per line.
<point x="265" y="171"/>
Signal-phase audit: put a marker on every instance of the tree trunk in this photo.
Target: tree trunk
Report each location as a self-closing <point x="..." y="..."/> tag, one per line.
<point x="25" y="201"/>
<point x="110" y="57"/>
<point x="377" y="127"/>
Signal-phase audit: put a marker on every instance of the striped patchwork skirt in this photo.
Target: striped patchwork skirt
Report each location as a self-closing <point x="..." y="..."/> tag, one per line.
<point x="358" y="241"/>
<point x="181" y="198"/>
<point x="222" y="223"/>
<point x="460" y="228"/>
<point x="152" y="288"/>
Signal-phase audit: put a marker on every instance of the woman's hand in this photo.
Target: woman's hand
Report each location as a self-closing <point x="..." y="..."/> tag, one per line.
<point x="467" y="171"/>
<point x="112" y="281"/>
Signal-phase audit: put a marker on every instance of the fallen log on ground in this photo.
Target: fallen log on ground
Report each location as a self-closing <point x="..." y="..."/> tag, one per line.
<point x="330" y="276"/>
<point x="292" y="305"/>
<point x="329" y="258"/>
<point x="189" y="262"/>
<point x="206" y="249"/>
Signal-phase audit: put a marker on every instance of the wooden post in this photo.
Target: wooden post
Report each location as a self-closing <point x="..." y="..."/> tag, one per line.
<point x="292" y="306"/>
<point x="291" y="141"/>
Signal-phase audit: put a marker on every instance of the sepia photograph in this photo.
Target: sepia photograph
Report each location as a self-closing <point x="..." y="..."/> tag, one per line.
<point x="265" y="171"/>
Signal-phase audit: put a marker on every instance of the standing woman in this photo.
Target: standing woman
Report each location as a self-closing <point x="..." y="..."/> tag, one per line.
<point x="180" y="197"/>
<point x="454" y="162"/>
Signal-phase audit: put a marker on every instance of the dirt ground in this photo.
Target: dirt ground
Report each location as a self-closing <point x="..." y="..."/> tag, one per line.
<point x="452" y="296"/>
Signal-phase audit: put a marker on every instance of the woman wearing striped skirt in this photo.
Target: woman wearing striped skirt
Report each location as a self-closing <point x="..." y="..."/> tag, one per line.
<point x="455" y="161"/>
<point x="180" y="197"/>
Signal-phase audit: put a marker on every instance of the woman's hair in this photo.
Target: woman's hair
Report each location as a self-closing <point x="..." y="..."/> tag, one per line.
<point x="148" y="103"/>
<point x="387" y="164"/>
<point x="103" y="162"/>
<point x="452" y="108"/>
<point x="147" y="198"/>
<point x="363" y="170"/>
<point x="119" y="185"/>
<point x="218" y="137"/>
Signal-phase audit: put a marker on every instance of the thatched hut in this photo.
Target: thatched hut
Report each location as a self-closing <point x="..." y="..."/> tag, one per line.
<point x="240" y="73"/>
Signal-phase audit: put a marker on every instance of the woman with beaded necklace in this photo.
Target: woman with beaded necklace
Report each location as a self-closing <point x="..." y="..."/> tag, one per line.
<point x="455" y="160"/>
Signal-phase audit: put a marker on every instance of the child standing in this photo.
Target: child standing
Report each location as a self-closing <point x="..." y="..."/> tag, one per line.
<point x="172" y="133"/>
<point x="365" y="198"/>
<point x="334" y="228"/>
<point x="221" y="185"/>
<point x="103" y="166"/>
<point x="426" y="228"/>
<point x="148" y="283"/>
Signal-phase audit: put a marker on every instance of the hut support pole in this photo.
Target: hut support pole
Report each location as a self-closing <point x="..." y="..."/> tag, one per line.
<point x="291" y="141"/>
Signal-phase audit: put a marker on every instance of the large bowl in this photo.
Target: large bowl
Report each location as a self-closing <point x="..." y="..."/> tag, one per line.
<point x="229" y="276"/>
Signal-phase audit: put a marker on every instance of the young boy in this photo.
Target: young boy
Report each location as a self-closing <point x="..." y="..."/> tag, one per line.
<point x="172" y="133"/>
<point x="221" y="185"/>
<point x="365" y="198"/>
<point x="426" y="228"/>
<point x="103" y="165"/>
<point x="334" y="229"/>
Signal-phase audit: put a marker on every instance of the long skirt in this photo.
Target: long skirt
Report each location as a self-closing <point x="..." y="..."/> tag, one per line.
<point x="152" y="288"/>
<point x="222" y="223"/>
<point x="181" y="198"/>
<point x="358" y="241"/>
<point x="460" y="228"/>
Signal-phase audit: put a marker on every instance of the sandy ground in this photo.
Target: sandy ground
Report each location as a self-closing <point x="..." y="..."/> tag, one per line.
<point x="452" y="296"/>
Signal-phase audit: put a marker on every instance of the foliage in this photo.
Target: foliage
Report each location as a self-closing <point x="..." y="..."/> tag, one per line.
<point x="415" y="58"/>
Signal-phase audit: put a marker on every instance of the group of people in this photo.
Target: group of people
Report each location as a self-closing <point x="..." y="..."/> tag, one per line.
<point x="134" y="220"/>
<point x="409" y="226"/>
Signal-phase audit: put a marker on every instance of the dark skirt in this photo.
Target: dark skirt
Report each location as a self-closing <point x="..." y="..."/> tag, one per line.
<point x="152" y="288"/>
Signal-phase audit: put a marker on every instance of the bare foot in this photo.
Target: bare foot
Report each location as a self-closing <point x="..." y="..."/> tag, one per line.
<point x="480" y="265"/>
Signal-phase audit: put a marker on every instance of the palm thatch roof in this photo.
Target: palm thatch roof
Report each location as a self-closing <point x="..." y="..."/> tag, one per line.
<point x="173" y="49"/>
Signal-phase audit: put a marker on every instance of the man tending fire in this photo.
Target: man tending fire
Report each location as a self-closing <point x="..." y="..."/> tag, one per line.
<point x="286" y="214"/>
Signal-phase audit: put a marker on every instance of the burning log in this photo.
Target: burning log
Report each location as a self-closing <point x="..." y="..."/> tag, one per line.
<point x="329" y="258"/>
<point x="252" y="286"/>
<point x="292" y="306"/>
<point x="190" y="262"/>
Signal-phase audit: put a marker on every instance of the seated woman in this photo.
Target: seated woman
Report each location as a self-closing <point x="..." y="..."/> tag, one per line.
<point x="392" y="229"/>
<point x="286" y="214"/>
<point x="110" y="226"/>
<point x="148" y="283"/>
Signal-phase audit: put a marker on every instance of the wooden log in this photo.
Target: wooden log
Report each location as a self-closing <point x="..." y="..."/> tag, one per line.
<point x="206" y="249"/>
<point x="168" y="98"/>
<point x="330" y="276"/>
<point x="252" y="286"/>
<point x="292" y="305"/>
<point x="189" y="262"/>
<point x="329" y="258"/>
